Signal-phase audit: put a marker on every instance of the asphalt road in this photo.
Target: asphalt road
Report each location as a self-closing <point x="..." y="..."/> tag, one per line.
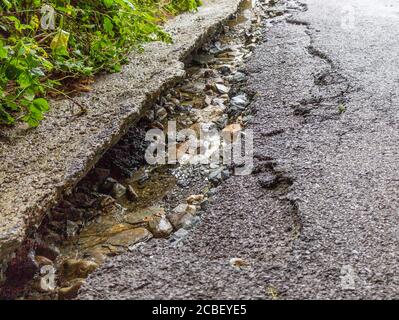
<point x="327" y="118"/>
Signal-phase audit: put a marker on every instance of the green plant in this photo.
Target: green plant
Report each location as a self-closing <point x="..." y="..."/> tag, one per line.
<point x="90" y="36"/>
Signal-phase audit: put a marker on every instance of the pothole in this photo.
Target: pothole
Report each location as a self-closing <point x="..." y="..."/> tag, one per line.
<point x="124" y="201"/>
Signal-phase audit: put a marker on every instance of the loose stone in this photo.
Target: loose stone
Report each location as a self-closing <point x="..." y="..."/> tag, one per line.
<point x="70" y="292"/>
<point x="47" y="280"/>
<point x="222" y="88"/>
<point x="74" y="268"/>
<point x="160" y="226"/>
<point x="195" y="199"/>
<point x="118" y="190"/>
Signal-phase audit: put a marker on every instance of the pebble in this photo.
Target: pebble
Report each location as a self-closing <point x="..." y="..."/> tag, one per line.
<point x="222" y="121"/>
<point x="215" y="177"/>
<point x="225" y="69"/>
<point x="47" y="280"/>
<point x="195" y="199"/>
<point x="160" y="226"/>
<point x="161" y="114"/>
<point x="190" y="222"/>
<point x="238" y="263"/>
<point x="185" y="208"/>
<point x="118" y="190"/>
<point x="222" y="88"/>
<point x="179" y="236"/>
<point x="179" y="219"/>
<point x="239" y="77"/>
<point x="107" y="186"/>
<point x="240" y="101"/>
<point x="72" y="229"/>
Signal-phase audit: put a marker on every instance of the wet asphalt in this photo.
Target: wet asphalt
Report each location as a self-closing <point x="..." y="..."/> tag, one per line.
<point x="326" y="123"/>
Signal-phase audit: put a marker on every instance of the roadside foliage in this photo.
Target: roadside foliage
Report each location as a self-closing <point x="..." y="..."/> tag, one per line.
<point x="46" y="45"/>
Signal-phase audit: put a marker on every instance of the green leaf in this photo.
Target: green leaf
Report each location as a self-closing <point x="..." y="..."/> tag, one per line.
<point x="29" y="94"/>
<point x="37" y="72"/>
<point x="108" y="26"/>
<point x="30" y="120"/>
<point x="41" y="104"/>
<point x="3" y="51"/>
<point x="60" y="40"/>
<point x="24" y="80"/>
<point x="5" y="117"/>
<point x="108" y="3"/>
<point x="116" y="67"/>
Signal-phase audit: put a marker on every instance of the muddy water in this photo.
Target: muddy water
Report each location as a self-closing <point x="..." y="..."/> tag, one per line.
<point x="123" y="201"/>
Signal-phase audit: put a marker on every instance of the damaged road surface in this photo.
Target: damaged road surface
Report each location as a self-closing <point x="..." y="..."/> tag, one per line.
<point x="318" y="216"/>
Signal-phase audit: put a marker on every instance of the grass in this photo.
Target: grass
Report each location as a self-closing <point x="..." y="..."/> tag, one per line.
<point x="45" y="45"/>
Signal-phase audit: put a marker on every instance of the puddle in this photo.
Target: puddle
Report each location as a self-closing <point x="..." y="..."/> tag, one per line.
<point x="124" y="201"/>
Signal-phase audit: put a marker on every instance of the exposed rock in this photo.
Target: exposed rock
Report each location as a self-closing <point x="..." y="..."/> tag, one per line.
<point x="143" y="216"/>
<point x="74" y="268"/>
<point x="101" y="174"/>
<point x="157" y="125"/>
<point x="70" y="292"/>
<point x="219" y="80"/>
<point x="106" y="201"/>
<point x="210" y="113"/>
<point x="22" y="267"/>
<point x="43" y="261"/>
<point x="177" y="219"/>
<point x="98" y="254"/>
<point x="183" y="220"/>
<point x="49" y="251"/>
<point x="130" y="237"/>
<point x="203" y="59"/>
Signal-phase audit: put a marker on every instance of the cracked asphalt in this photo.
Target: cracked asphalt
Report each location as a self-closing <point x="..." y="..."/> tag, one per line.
<point x="327" y="121"/>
